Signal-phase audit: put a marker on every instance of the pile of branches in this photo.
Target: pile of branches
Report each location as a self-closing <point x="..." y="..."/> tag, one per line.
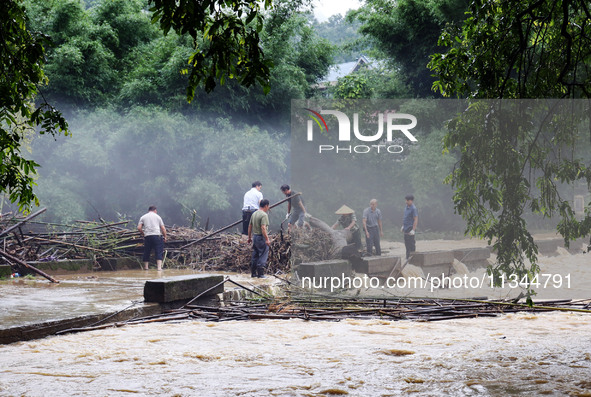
<point x="28" y="240"/>
<point x="24" y="240"/>
<point x="310" y="245"/>
<point x="315" y="307"/>
<point x="322" y="309"/>
<point x="230" y="252"/>
<point x="223" y="252"/>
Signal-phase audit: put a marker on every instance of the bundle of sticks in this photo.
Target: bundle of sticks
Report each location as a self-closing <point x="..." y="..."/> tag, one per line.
<point x="311" y="245"/>
<point x="316" y="307"/>
<point x="24" y="240"/>
<point x="30" y="240"/>
<point x="225" y="252"/>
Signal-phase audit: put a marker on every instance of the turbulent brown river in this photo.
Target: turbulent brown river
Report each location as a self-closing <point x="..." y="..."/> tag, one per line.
<point x="520" y="354"/>
<point x="516" y="354"/>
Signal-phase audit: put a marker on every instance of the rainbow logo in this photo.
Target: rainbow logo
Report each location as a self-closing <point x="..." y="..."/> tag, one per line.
<point x="315" y="116"/>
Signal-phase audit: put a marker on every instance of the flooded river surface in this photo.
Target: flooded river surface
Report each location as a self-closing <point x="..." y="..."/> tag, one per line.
<point x="516" y="354"/>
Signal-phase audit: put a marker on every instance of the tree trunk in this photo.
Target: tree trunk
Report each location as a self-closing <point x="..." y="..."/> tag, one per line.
<point x="340" y="247"/>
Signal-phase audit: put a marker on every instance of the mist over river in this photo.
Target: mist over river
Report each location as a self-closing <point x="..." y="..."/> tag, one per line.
<point x="516" y="354"/>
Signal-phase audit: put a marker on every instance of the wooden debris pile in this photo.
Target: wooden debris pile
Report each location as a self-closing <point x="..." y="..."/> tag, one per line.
<point x="223" y="252"/>
<point x="230" y="252"/>
<point x="24" y="240"/>
<point x="310" y="245"/>
<point x="321" y="308"/>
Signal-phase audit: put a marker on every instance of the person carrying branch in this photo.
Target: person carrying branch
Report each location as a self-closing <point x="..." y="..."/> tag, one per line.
<point x="258" y="235"/>
<point x="348" y="221"/>
<point x="296" y="212"/>
<point x="152" y="229"/>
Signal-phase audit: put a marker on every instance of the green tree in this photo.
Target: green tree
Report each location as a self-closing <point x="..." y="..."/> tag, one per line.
<point x="226" y="38"/>
<point x="121" y="163"/>
<point x="375" y="82"/>
<point x="344" y="34"/>
<point x="300" y="56"/>
<point x="93" y="49"/>
<point x="353" y="86"/>
<point x="516" y="50"/>
<point x="130" y="24"/>
<point x="405" y="33"/>
<point x="22" y="57"/>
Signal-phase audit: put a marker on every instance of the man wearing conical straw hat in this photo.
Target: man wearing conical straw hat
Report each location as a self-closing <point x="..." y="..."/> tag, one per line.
<point x="348" y="221"/>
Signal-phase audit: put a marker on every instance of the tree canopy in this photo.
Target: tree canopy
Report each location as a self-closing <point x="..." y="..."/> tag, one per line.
<point x="226" y="38"/>
<point x="517" y="50"/>
<point x="21" y="75"/>
<point x="405" y="33"/>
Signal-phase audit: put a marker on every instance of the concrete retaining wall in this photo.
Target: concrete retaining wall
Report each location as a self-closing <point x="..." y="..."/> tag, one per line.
<point x="378" y="266"/>
<point x="473" y="258"/>
<point x="41" y="330"/>
<point x="178" y="288"/>
<point x="85" y="265"/>
<point x="331" y="268"/>
<point x="5" y="271"/>
<point x="434" y="262"/>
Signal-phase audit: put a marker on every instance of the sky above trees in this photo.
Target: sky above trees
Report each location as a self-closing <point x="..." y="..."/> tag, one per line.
<point x="324" y="9"/>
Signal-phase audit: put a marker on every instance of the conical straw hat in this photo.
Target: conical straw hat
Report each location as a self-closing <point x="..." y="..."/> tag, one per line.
<point x="344" y="210"/>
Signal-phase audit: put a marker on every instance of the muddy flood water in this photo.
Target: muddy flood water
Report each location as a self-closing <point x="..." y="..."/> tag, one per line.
<point x="517" y="354"/>
<point x="511" y="355"/>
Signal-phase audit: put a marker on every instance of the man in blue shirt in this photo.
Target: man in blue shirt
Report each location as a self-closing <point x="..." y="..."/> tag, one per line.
<point x="409" y="225"/>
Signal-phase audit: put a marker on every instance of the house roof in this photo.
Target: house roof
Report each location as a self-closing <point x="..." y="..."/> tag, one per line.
<point x="343" y="69"/>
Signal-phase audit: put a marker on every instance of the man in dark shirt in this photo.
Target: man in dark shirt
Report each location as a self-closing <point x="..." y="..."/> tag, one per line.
<point x="295" y="207"/>
<point x="409" y="225"/>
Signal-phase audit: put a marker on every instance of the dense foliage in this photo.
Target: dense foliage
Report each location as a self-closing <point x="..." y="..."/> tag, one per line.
<point x="517" y="50"/>
<point x="105" y="60"/>
<point x="21" y="74"/>
<point x="124" y="86"/>
<point x="116" y="165"/>
<point x="405" y="33"/>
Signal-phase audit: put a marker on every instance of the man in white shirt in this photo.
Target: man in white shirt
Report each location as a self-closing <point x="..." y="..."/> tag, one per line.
<point x="251" y="202"/>
<point x="152" y="228"/>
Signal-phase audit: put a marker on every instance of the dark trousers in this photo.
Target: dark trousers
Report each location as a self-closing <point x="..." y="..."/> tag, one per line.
<point x="246" y="220"/>
<point x="260" y="253"/>
<point x="409" y="243"/>
<point x="356" y="236"/>
<point x="373" y="240"/>
<point x="155" y="243"/>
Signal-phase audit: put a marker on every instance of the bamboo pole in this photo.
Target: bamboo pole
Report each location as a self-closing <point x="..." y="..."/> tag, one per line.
<point x="25" y="264"/>
<point x="17" y="225"/>
<point x="233" y="224"/>
<point x="71" y="244"/>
